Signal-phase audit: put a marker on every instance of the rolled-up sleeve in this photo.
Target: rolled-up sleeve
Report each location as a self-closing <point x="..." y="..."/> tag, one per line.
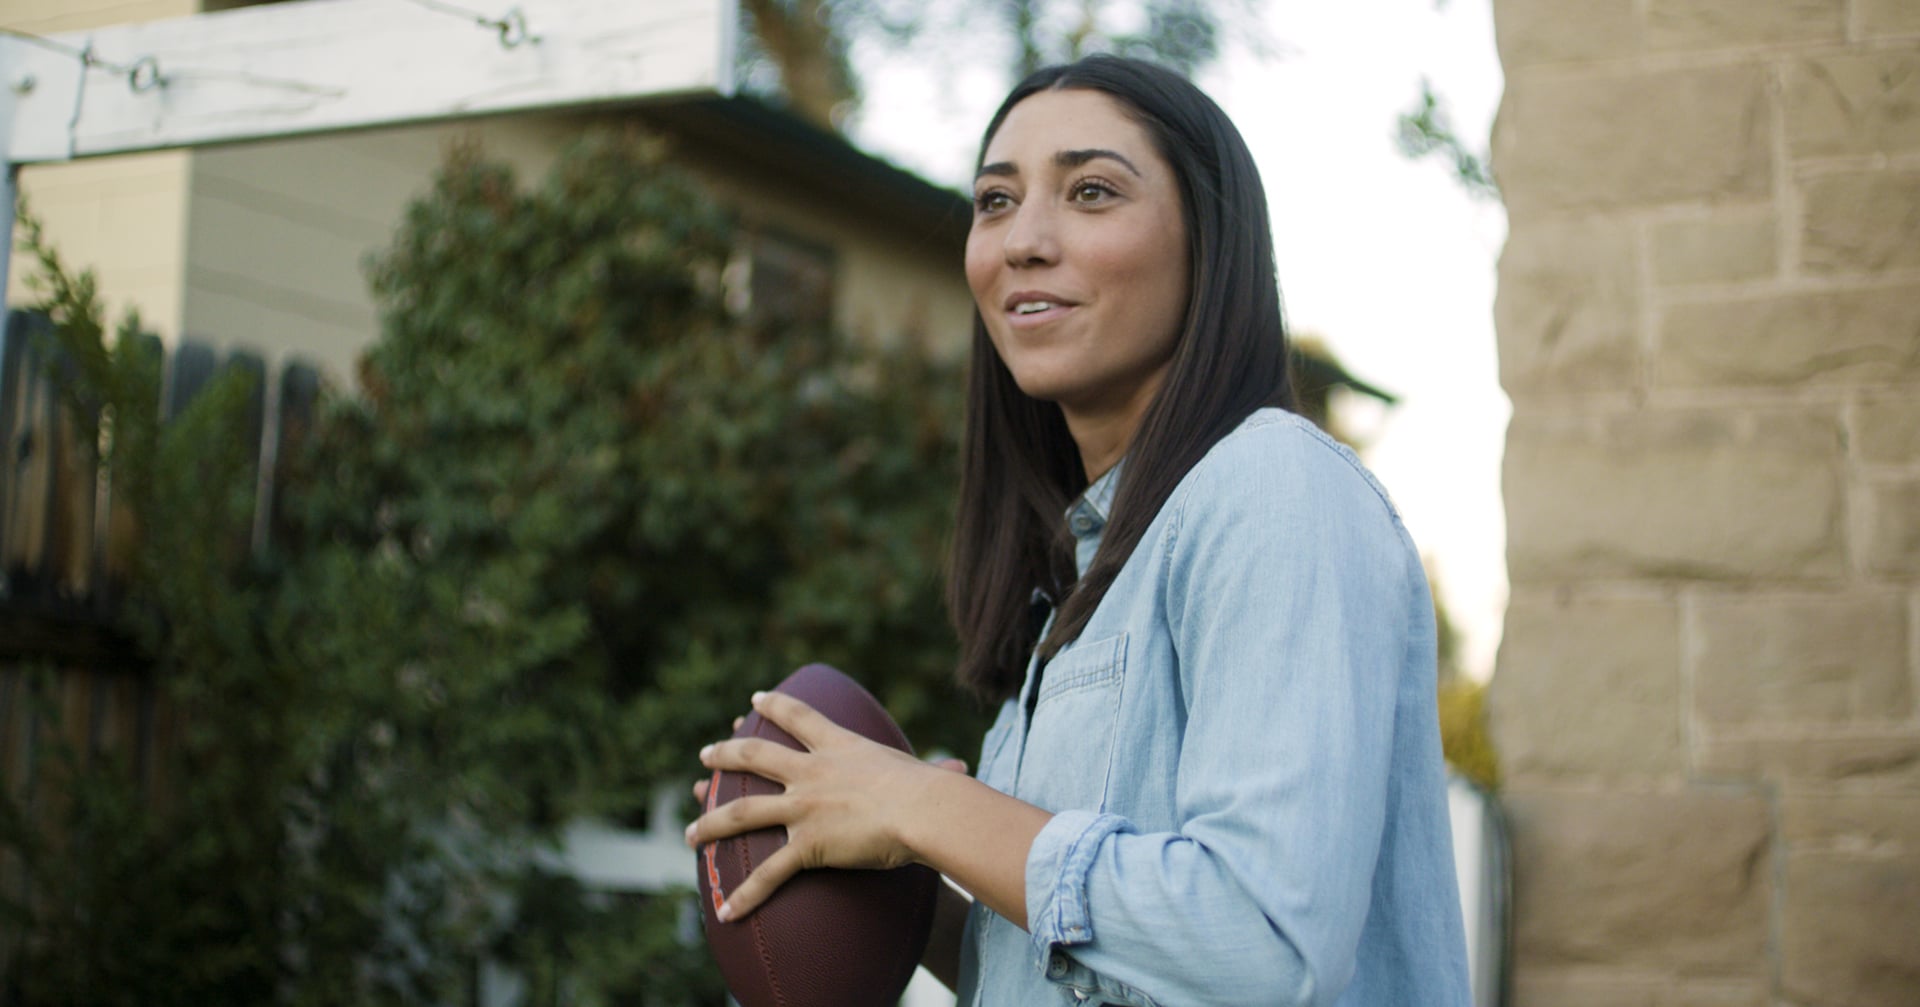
<point x="1288" y="594"/>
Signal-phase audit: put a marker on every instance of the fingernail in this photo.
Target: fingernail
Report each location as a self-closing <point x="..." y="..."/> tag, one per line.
<point x="705" y="752"/>
<point x="757" y="697"/>
<point x="690" y="827"/>
<point x="725" y="912"/>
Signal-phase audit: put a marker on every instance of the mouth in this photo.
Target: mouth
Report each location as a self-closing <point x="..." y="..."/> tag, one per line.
<point x="1034" y="307"/>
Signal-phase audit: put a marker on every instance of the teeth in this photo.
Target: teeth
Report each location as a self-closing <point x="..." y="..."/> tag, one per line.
<point x="1031" y="307"/>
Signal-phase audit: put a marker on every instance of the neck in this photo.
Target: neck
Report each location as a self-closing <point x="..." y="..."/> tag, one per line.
<point x="1102" y="443"/>
<point x="1103" y="435"/>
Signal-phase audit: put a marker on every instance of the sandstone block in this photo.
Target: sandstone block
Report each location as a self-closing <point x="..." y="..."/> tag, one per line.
<point x="1727" y="247"/>
<point x="1588" y="686"/>
<point x="1875" y="825"/>
<point x="1620" y="988"/>
<point x="1860" y="223"/>
<point x="1850" y="930"/>
<point x="1673" y="881"/>
<point x="1846" y="335"/>
<point x="1568" y="307"/>
<point x="1674" y="494"/>
<point x="1884" y="429"/>
<point x="1530" y="32"/>
<point x="1890" y="513"/>
<point x="1886" y="18"/>
<point x="1800" y="659"/>
<point x="1854" y="103"/>
<point x="1720" y="24"/>
<point x="1885" y="760"/>
<point x="1595" y="142"/>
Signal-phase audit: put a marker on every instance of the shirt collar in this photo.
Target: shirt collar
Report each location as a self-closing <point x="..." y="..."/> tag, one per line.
<point x="1088" y="515"/>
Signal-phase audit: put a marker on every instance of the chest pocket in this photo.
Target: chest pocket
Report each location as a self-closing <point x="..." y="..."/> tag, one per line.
<point x="1069" y="746"/>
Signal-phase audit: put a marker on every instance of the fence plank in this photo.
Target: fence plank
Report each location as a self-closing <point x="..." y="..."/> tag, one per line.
<point x="24" y="497"/>
<point x="146" y="703"/>
<point x="13" y="872"/>
<point x="117" y="528"/>
<point x="188" y="371"/>
<point x="74" y="488"/>
<point x="13" y="729"/>
<point x="13" y="349"/>
<point x="290" y="423"/>
<point x="252" y="423"/>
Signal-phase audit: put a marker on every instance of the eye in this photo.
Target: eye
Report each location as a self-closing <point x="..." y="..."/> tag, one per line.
<point x="1089" y="193"/>
<point x="991" y="201"/>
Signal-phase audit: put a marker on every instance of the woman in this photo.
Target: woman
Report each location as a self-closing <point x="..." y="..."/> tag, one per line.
<point x="1216" y="776"/>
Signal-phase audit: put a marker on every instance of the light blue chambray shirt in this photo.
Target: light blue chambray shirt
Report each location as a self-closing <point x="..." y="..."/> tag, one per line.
<point x="1243" y="755"/>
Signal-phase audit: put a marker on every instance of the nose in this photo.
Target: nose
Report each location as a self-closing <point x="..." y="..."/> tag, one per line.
<point x="1031" y="238"/>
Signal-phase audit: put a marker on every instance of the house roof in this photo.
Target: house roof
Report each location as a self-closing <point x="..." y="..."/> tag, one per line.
<point x="768" y="139"/>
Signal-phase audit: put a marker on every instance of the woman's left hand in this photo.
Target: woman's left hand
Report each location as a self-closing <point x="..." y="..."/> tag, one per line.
<point x="841" y="807"/>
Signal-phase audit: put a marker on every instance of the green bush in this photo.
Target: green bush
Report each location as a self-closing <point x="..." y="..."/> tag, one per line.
<point x="573" y="515"/>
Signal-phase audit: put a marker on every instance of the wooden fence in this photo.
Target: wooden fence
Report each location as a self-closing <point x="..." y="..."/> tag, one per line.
<point x="68" y="676"/>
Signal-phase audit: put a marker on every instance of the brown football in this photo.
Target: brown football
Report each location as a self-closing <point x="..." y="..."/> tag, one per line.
<point x="827" y="938"/>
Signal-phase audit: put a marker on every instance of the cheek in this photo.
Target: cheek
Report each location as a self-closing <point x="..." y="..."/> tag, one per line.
<point x="1155" y="279"/>
<point x="980" y="271"/>
<point x="1172" y="298"/>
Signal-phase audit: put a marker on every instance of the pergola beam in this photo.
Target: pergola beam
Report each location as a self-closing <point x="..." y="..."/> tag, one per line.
<point x="320" y="65"/>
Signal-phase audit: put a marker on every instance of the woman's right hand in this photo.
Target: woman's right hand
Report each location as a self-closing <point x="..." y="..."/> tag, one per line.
<point x="845" y="800"/>
<point x="975" y="835"/>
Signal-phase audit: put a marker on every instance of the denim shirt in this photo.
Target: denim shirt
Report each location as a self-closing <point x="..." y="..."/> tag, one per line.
<point x="1243" y="756"/>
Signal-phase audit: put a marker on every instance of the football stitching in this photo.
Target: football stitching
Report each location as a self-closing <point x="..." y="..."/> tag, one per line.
<point x="759" y="936"/>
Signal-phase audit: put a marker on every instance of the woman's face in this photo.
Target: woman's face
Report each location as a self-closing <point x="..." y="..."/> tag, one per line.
<point x="1078" y="255"/>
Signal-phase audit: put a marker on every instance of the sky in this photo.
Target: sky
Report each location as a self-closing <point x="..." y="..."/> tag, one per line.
<point x="1390" y="262"/>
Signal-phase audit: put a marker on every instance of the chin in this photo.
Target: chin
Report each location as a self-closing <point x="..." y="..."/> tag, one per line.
<point x="1044" y="375"/>
<point x="1046" y="388"/>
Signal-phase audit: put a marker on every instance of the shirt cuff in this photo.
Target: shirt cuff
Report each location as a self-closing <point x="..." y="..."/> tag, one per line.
<point x="1057" y="868"/>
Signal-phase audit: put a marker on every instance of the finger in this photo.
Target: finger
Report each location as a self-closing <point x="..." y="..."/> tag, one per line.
<point x="746" y="814"/>
<point x="761" y="884"/>
<point x="758" y="756"/>
<point x="807" y="725"/>
<point x="952" y="765"/>
<point x="700" y="790"/>
<point x="737" y="723"/>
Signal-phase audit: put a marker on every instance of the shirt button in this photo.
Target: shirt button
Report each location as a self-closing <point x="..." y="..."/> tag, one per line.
<point x="1081" y="524"/>
<point x="1057" y="966"/>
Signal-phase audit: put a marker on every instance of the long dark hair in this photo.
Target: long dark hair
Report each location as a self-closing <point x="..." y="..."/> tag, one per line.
<point x="1021" y="468"/>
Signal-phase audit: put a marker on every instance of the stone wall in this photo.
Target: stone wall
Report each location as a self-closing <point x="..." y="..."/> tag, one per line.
<point x="1709" y="323"/>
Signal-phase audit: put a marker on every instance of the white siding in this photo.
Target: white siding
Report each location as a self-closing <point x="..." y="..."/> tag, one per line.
<point x="278" y="233"/>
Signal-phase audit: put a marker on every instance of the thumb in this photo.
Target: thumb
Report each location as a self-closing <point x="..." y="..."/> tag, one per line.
<point x="952" y="764"/>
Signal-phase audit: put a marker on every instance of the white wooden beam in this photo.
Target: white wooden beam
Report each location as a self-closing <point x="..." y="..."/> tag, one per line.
<point x="320" y="65"/>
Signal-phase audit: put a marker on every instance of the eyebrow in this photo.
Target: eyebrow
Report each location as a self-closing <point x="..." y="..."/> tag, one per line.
<point x="1063" y="159"/>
